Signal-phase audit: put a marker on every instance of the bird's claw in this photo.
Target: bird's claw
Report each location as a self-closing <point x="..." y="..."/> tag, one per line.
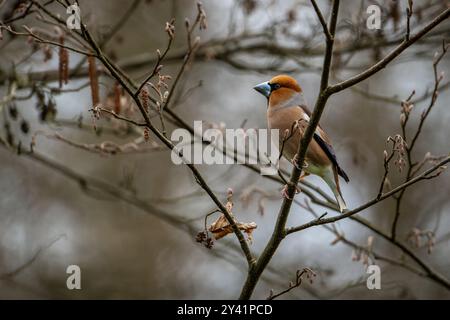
<point x="294" y="161"/>
<point x="285" y="193"/>
<point x="305" y="174"/>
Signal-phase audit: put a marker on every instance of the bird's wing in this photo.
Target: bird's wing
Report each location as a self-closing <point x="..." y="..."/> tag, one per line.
<point x="319" y="130"/>
<point x="324" y="142"/>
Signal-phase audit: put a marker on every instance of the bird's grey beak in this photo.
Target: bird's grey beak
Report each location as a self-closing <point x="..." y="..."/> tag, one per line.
<point x="263" y="88"/>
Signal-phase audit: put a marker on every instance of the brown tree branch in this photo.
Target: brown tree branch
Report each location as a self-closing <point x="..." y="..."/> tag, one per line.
<point x="423" y="176"/>
<point x="279" y="230"/>
<point x="298" y="282"/>
<point x="322" y="21"/>
<point x="391" y="56"/>
<point x="325" y="92"/>
<point x="410" y="146"/>
<point x="30" y="261"/>
<point x="116" y="69"/>
<point x="198" y="177"/>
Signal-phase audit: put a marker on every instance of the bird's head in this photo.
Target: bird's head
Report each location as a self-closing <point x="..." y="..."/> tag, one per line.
<point x="279" y="89"/>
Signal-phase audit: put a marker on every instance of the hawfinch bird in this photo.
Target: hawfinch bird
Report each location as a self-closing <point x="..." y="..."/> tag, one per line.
<point x="287" y="112"/>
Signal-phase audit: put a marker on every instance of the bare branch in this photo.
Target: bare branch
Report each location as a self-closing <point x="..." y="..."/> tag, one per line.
<point x="391" y="56"/>
<point x="322" y="20"/>
<point x="298" y="281"/>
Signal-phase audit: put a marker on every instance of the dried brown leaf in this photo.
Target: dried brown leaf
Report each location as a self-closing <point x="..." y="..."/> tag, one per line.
<point x="221" y="227"/>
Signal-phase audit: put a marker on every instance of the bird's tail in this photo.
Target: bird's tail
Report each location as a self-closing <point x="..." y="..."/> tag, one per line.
<point x="332" y="180"/>
<point x="340" y="200"/>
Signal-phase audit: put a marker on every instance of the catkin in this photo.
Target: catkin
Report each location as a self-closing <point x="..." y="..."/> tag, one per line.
<point x="144" y="98"/>
<point x="63" y="70"/>
<point x="93" y="79"/>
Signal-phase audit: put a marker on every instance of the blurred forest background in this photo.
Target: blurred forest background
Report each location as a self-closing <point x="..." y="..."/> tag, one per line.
<point x="133" y="233"/>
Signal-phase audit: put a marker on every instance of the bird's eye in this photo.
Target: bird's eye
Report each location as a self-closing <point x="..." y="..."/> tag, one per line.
<point x="275" y="86"/>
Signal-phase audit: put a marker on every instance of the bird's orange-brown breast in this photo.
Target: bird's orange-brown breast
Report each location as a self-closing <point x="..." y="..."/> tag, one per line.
<point x="282" y="119"/>
<point x="280" y="97"/>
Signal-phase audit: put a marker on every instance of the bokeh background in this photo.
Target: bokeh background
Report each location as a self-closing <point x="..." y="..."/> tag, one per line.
<point x="147" y="249"/>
